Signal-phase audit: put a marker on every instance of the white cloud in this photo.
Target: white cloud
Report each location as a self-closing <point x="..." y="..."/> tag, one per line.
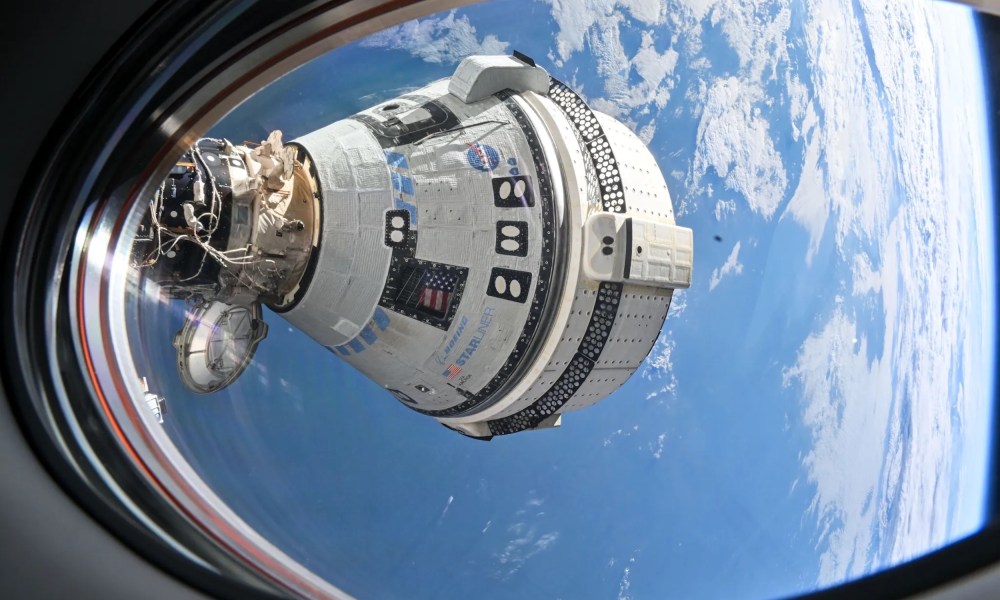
<point x="447" y="505"/>
<point x="437" y="40"/>
<point x="731" y="266"/>
<point x="626" y="581"/>
<point x="759" y="43"/>
<point x="659" y="366"/>
<point x="723" y="208"/>
<point x="648" y="12"/>
<point x="575" y="18"/>
<point x="846" y="431"/>
<point x="653" y="69"/>
<point x="619" y="433"/>
<point x="526" y="539"/>
<point x="634" y="88"/>
<point x="610" y="439"/>
<point x="657" y="447"/>
<point x="623" y="97"/>
<point x="700" y="64"/>
<point x="696" y="10"/>
<point x="658" y="363"/>
<point x="889" y="417"/>
<point x="897" y="436"/>
<point x="734" y="139"/>
<point x="852" y="183"/>
<point x="876" y="168"/>
<point x="525" y="544"/>
<point x="678" y="305"/>
<point x="646" y="133"/>
<point x="864" y="280"/>
<point x="798" y="103"/>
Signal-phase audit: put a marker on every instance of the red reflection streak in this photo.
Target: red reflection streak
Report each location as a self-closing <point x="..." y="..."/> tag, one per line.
<point x="231" y="540"/>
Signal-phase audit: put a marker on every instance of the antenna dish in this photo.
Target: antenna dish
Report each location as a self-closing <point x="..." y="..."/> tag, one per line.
<point x="217" y="343"/>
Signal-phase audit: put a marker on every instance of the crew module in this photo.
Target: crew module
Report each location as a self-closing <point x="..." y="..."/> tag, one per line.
<point x="488" y="249"/>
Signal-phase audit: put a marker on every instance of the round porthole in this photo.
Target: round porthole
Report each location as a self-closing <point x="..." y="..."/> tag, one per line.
<point x="817" y="408"/>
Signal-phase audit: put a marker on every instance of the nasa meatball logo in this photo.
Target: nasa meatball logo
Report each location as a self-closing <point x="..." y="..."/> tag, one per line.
<point x="482" y="157"/>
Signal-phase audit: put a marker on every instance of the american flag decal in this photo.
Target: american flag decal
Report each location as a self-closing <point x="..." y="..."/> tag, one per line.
<point x="452" y="371"/>
<point x="426" y="291"/>
<point x="433" y="299"/>
<point x="435" y="290"/>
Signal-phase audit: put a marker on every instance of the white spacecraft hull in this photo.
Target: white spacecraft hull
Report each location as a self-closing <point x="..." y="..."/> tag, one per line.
<point x="487" y="248"/>
<point x="453" y="265"/>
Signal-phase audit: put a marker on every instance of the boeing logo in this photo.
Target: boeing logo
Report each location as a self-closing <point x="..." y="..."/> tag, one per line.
<point x="459" y="329"/>
<point x="484" y="325"/>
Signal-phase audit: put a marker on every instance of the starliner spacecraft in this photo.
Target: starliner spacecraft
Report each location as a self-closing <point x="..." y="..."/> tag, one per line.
<point x="489" y="249"/>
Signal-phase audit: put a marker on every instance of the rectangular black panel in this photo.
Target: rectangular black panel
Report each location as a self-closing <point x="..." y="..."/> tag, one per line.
<point x="427" y="291"/>
<point x="512" y="238"/>
<point x="397" y="228"/>
<point x="391" y="131"/>
<point x="628" y="247"/>
<point x="512" y="191"/>
<point x="509" y="284"/>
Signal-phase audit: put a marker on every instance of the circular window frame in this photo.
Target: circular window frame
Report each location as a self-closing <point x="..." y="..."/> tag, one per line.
<point x="177" y="71"/>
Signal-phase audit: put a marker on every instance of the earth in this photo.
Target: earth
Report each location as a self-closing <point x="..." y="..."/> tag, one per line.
<point x="818" y="404"/>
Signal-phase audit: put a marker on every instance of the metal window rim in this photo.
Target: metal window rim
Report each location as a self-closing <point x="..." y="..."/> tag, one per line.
<point x="176" y="72"/>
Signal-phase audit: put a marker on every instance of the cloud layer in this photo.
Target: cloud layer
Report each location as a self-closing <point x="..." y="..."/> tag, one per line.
<point x="889" y="418"/>
<point x="731" y="266"/>
<point x="446" y="39"/>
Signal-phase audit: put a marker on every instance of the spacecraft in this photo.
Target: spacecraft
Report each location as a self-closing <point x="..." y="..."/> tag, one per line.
<point x="489" y="249"/>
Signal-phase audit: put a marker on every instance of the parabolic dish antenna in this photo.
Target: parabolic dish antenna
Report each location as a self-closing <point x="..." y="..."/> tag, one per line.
<point x="216" y="344"/>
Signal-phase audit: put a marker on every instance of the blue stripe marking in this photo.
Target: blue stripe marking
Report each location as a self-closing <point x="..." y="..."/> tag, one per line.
<point x="342" y="350"/>
<point x="397" y="160"/>
<point x="401" y="204"/>
<point x="381" y="319"/>
<point x="402" y="183"/>
<point x="368" y="335"/>
<point x="356" y="345"/>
